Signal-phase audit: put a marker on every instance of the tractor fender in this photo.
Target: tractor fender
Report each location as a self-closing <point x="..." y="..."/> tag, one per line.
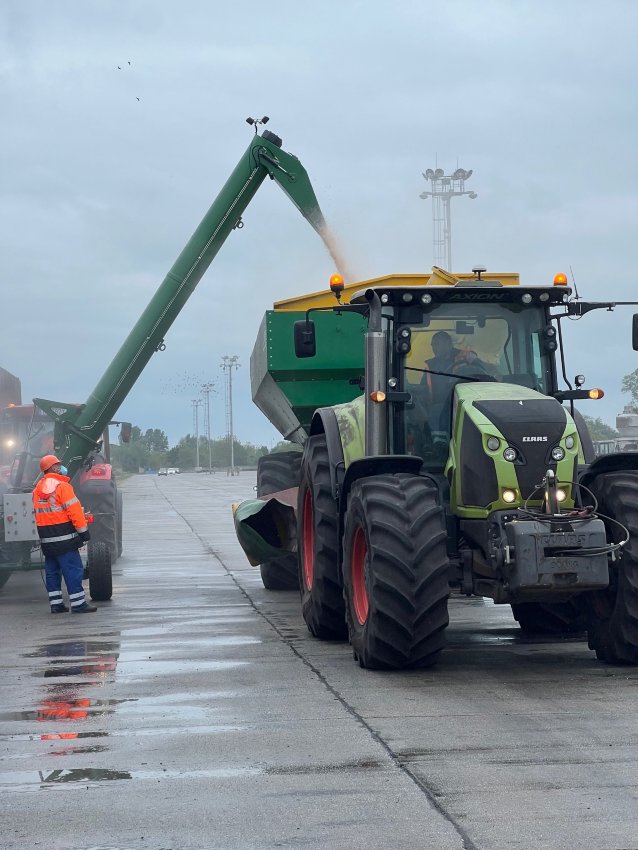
<point x="364" y="468"/>
<point x="615" y="462"/>
<point x="98" y="472"/>
<point x="584" y="436"/>
<point x="325" y="422"/>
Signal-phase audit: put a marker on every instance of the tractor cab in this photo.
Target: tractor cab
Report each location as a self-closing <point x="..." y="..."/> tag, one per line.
<point x="26" y="433"/>
<point x="465" y="335"/>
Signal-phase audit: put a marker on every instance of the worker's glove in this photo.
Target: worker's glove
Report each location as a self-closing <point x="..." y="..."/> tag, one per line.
<point x="84" y="536"/>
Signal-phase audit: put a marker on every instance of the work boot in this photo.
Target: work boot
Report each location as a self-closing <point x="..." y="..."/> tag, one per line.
<point x="85" y="608"/>
<point x="59" y="609"/>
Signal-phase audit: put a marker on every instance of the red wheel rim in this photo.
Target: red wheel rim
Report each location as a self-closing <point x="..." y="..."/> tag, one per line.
<point x="308" y="540"/>
<point x="358" y="562"/>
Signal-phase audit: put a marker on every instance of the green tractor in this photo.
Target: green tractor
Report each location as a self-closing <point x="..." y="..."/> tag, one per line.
<point x="457" y="464"/>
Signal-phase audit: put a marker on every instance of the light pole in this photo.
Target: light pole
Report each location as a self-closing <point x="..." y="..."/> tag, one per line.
<point x="444" y="187"/>
<point x="197" y="402"/>
<point x="230" y="362"/>
<point x="207" y="388"/>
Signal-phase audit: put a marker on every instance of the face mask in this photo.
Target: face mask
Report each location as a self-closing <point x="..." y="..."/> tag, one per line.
<point x="64" y="470"/>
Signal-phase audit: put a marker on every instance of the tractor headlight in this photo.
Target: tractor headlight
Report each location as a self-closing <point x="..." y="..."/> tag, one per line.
<point x="509" y="496"/>
<point x="561" y="495"/>
<point x="570" y="442"/>
<point x="510" y="455"/>
<point x="558" y="453"/>
<point x="493" y="443"/>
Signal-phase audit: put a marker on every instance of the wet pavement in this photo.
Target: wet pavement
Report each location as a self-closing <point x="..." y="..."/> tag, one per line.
<point x="195" y="711"/>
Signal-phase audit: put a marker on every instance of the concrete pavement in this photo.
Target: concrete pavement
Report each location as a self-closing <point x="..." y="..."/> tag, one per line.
<point x="195" y="711"/>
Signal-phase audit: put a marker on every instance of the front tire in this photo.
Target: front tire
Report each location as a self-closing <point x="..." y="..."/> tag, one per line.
<point x="613" y="613"/>
<point x="395" y="572"/>
<point x="279" y="471"/>
<point x="322" y="602"/>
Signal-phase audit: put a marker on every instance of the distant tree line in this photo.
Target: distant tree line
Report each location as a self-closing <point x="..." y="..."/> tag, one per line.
<point x="150" y="450"/>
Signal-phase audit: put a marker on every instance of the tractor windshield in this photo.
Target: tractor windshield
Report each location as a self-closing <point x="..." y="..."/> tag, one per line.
<point x="488" y="342"/>
<point x="39" y="442"/>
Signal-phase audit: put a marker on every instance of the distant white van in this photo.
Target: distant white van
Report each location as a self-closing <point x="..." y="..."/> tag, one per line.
<point x="172" y="470"/>
<point x="162" y="471"/>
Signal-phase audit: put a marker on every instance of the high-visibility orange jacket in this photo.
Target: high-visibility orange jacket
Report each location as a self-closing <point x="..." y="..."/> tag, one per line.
<point x="59" y="515"/>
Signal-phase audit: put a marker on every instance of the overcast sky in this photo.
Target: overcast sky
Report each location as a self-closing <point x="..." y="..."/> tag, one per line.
<point x="106" y="172"/>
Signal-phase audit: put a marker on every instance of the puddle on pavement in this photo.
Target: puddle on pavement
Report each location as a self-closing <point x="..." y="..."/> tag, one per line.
<point x="61" y="708"/>
<point x="74" y="751"/>
<point x="167" y="731"/>
<point x="48" y="780"/>
<point x="152" y="667"/>
<point x="61" y="649"/>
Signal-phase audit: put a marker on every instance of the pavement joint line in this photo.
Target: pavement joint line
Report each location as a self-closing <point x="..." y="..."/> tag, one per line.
<point x="428" y="793"/>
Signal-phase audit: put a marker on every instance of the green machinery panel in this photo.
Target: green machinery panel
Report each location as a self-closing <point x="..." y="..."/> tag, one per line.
<point x="288" y="389"/>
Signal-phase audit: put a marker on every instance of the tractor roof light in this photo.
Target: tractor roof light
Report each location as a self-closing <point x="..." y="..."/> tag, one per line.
<point x="526" y="298"/>
<point x="596" y="393"/>
<point x="560" y="279"/>
<point x="426" y="298"/>
<point x="337" y="285"/>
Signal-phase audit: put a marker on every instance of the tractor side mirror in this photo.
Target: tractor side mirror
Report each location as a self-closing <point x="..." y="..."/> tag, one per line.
<point x="305" y="339"/>
<point x="634" y="332"/>
<point x="125" y="432"/>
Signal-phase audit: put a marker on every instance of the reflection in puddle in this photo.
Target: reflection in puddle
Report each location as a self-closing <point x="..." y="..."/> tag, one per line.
<point x="65" y="707"/>
<point x="66" y="649"/>
<point x="32" y="781"/>
<point x="125" y="733"/>
<point x="74" y="751"/>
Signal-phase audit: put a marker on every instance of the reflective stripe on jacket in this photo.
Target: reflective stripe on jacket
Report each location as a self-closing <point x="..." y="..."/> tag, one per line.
<point x="58" y="514"/>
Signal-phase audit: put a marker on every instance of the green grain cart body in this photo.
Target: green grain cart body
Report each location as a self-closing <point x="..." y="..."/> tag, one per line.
<point x="288" y="390"/>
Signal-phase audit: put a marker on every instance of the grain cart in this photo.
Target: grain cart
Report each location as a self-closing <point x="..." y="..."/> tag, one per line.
<point x="75" y="429"/>
<point x="479" y="477"/>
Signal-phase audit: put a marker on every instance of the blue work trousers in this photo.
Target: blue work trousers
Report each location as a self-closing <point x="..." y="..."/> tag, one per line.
<point x="71" y="567"/>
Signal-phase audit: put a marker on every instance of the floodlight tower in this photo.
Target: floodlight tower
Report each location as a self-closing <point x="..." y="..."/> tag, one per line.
<point x="230" y="362"/>
<point x="207" y="388"/>
<point x="197" y="403"/>
<point x="444" y="187"/>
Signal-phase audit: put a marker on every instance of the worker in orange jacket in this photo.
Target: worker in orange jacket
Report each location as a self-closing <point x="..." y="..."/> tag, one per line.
<point x="63" y="529"/>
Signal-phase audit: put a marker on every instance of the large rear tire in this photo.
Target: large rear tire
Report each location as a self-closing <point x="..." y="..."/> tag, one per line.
<point x="553" y="618"/>
<point x="101" y="499"/>
<point x="395" y="572"/>
<point x="322" y="602"/>
<point x="276" y="472"/>
<point x="99" y="569"/>
<point x="120" y="521"/>
<point x="612" y="628"/>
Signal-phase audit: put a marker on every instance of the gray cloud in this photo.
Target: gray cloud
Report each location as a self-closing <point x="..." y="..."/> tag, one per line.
<point x="100" y="191"/>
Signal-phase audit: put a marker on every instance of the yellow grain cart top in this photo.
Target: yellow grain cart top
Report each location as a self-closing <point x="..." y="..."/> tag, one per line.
<point x="437" y="277"/>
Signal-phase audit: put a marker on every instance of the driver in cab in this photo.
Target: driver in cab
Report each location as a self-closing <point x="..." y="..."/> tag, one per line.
<point x="450" y="360"/>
